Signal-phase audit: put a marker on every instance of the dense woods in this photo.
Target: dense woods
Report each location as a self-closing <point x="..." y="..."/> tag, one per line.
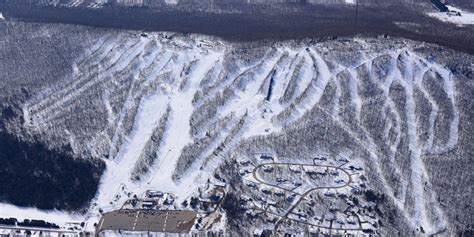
<point x="31" y="174"/>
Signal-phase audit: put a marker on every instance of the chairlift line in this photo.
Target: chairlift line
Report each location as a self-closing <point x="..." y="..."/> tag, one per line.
<point x="161" y="162"/>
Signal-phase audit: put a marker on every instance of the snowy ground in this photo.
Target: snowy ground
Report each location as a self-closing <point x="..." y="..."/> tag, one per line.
<point x="466" y="18"/>
<point x="58" y="217"/>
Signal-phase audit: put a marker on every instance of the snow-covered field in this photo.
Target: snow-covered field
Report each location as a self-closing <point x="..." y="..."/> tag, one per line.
<point x="466" y="18"/>
<point x="58" y="217"/>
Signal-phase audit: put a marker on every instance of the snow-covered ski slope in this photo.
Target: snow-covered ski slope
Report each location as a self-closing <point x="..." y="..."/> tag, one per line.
<point x="75" y="3"/>
<point x="219" y="94"/>
<point x="101" y="3"/>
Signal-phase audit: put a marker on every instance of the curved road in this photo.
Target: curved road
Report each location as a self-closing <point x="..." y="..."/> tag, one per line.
<point x="303" y="196"/>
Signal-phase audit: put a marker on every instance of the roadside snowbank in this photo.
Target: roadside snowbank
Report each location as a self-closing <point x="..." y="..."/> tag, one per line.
<point x="53" y="216"/>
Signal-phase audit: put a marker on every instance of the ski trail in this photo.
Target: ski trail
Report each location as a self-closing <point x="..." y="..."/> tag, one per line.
<point x="195" y="174"/>
<point x="291" y="77"/>
<point x="41" y="101"/>
<point x="150" y="111"/>
<point x="137" y="60"/>
<point x="232" y="79"/>
<point x="250" y="99"/>
<point x="125" y="59"/>
<point x="179" y="127"/>
<point x="304" y="78"/>
<point x="371" y="148"/>
<point x="418" y="172"/>
<point x="337" y="98"/>
<point x="389" y="105"/>
<point x="129" y="105"/>
<point x="449" y="88"/>
<point x="108" y="107"/>
<point x="434" y="109"/>
<point x="313" y="94"/>
<point x="74" y="3"/>
<point x="281" y="79"/>
<point x="354" y="93"/>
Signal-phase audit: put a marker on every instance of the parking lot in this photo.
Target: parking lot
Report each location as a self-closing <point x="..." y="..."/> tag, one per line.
<point x="170" y="221"/>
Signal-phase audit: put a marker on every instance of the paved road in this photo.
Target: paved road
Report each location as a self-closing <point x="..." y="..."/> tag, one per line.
<point x="61" y="231"/>
<point x="256" y="177"/>
<point x="302" y="196"/>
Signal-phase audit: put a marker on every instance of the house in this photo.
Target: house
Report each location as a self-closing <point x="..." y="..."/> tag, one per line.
<point x="169" y="199"/>
<point x="356" y="190"/>
<point x="245" y="198"/>
<point x="342" y="159"/>
<point x="351" y="222"/>
<point x="321" y="158"/>
<point x="244" y="162"/>
<point x="268" y="168"/>
<point x="154" y="193"/>
<point x="271" y="202"/>
<point x="323" y="173"/>
<point x="251" y="184"/>
<point x="266" y="157"/>
<point x="310" y="172"/>
<point x="334" y="172"/>
<point x="262" y="233"/>
<point x="204" y="197"/>
<point x="272" y="219"/>
<point x="220" y="184"/>
<point x="329" y="194"/>
<point x="295" y="169"/>
<point x="148" y="204"/>
<point x="279" y="193"/>
<point x="243" y="172"/>
<point x="290" y="198"/>
<point x="251" y="213"/>
<point x="301" y="215"/>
